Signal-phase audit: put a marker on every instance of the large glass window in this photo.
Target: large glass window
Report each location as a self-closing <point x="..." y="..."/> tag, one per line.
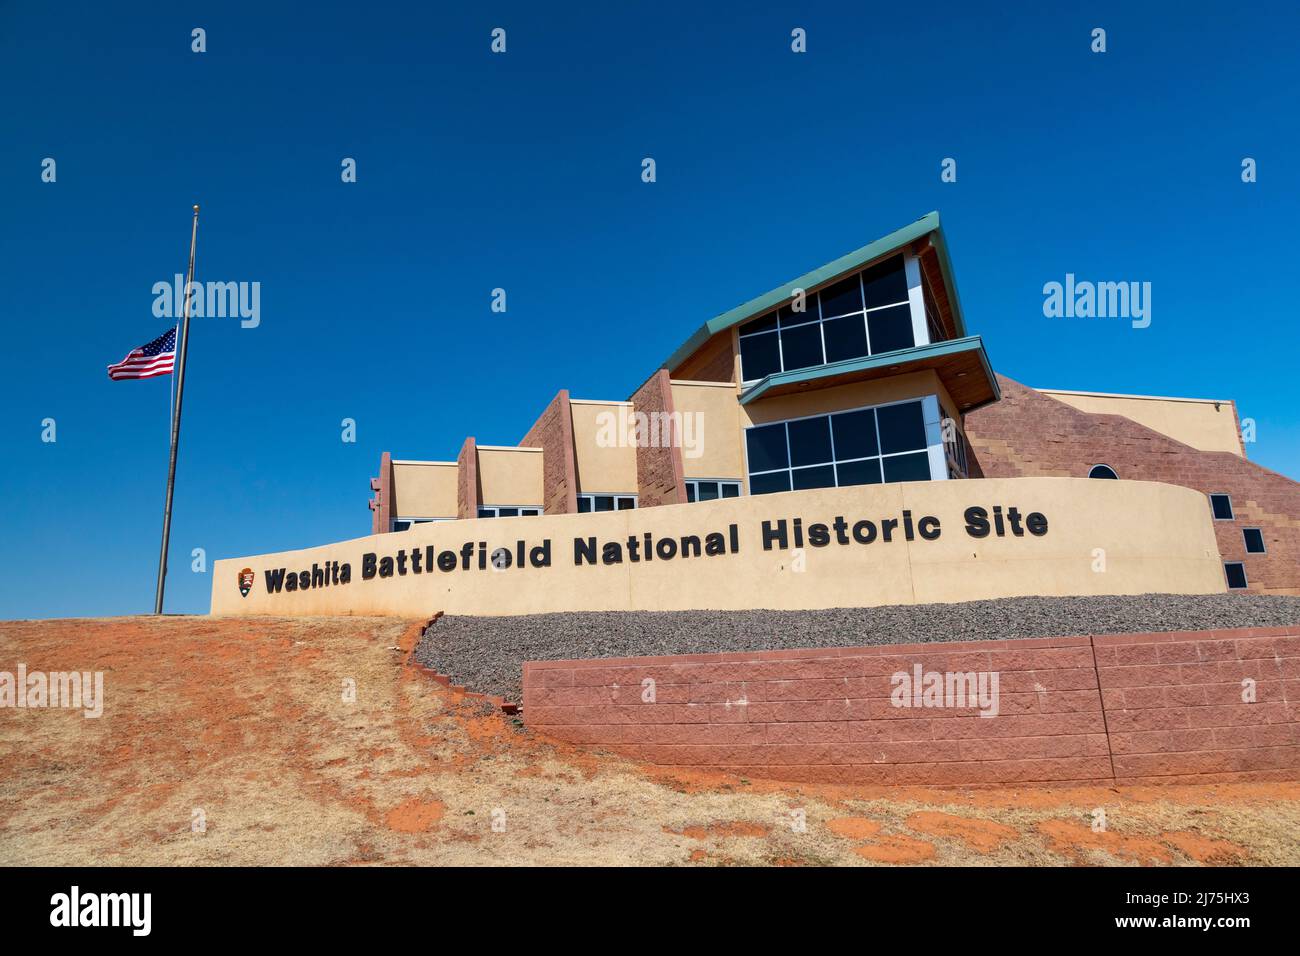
<point x="862" y="447"/>
<point x="866" y="314"/>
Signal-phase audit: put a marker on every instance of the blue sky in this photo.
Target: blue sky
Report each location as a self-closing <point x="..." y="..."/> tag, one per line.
<point x="522" y="171"/>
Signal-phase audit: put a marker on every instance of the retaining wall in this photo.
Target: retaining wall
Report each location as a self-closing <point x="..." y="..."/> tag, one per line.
<point x="1163" y="707"/>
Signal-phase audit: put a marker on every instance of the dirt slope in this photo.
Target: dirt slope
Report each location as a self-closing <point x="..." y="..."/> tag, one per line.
<point x="242" y="724"/>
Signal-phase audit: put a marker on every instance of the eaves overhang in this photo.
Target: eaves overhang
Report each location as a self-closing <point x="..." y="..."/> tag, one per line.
<point x="899" y="240"/>
<point x="961" y="364"/>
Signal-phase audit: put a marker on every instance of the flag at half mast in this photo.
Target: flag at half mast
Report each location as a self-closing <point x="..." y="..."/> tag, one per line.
<point x="149" y="360"/>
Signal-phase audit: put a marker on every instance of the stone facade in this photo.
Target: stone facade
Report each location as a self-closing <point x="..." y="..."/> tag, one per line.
<point x="660" y="470"/>
<point x="553" y="433"/>
<point x="1029" y="434"/>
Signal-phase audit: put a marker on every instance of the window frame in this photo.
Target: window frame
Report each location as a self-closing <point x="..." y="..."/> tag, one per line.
<point x="497" y="508"/>
<point x="1228" y="581"/>
<point x="691" y="486"/>
<point x="413" y="520"/>
<point x="1263" y="547"/>
<point x="821" y="319"/>
<point x="1232" y="512"/>
<point x="593" y="495"/>
<point x="835" y="462"/>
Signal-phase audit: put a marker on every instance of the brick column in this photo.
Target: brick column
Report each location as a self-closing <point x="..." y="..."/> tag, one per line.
<point x="467" y="480"/>
<point x="553" y="434"/>
<point x="660" y="472"/>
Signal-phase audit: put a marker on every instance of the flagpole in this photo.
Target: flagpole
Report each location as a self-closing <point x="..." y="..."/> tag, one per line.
<point x="182" y="347"/>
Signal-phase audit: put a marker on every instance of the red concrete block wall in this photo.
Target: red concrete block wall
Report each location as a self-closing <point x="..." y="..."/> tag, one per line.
<point x="827" y="715"/>
<point x="1167" y="707"/>
<point x="1178" y="706"/>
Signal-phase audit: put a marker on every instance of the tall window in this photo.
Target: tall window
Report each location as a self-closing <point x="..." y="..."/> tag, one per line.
<point x="866" y="314"/>
<point x="862" y="447"/>
<point x="955" y="449"/>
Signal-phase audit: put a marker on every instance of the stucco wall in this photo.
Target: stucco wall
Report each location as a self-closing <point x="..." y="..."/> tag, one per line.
<point x="715" y="446"/>
<point x="425" y="489"/>
<point x="604" y="466"/>
<point x="1102" y="537"/>
<point x="510" y="476"/>
<point x="1205" y="425"/>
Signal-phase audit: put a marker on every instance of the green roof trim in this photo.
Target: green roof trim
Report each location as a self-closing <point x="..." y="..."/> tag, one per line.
<point x="972" y="343"/>
<point x="926" y="225"/>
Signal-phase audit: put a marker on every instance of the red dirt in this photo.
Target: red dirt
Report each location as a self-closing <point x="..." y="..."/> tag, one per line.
<point x="243" y="719"/>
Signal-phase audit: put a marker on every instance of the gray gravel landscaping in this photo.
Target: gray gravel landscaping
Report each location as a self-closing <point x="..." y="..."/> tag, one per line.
<point x="487" y="653"/>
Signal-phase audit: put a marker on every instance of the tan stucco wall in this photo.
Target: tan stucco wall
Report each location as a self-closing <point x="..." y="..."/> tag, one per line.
<point x="713" y="446"/>
<point x="510" y="476"/>
<point x="1195" y="422"/>
<point x="424" y="489"/>
<point x="603" y="466"/>
<point x="1151" y="537"/>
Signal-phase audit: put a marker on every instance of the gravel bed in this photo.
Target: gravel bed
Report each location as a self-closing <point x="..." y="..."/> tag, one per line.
<point x="487" y="653"/>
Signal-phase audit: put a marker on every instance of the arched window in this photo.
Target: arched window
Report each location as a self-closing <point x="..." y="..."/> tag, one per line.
<point x="1102" y="471"/>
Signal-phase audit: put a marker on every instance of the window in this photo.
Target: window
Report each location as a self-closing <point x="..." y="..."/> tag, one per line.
<point x="589" y="503"/>
<point x="864" y="314"/>
<point x="405" y="524"/>
<point x="707" y="489"/>
<point x="1254" y="540"/>
<point x="1235" y="572"/>
<point x="862" y="447"/>
<point x="1102" y="471"/>
<point x="506" y="511"/>
<point x="1222" y="507"/>
<point x="955" y="449"/>
<point x="932" y="321"/>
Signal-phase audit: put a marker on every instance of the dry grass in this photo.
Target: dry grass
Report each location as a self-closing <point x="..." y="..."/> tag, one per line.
<point x="245" y="720"/>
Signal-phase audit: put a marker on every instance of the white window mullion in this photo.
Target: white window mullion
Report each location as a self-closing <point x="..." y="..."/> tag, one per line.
<point x="933" y="418"/>
<point x="916" y="300"/>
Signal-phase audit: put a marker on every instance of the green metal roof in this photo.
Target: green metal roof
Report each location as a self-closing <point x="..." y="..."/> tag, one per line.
<point x="926" y="225"/>
<point x="972" y="343"/>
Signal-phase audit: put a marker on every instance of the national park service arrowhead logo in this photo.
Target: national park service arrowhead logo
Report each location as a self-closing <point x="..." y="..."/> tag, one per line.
<point x="245" y="582"/>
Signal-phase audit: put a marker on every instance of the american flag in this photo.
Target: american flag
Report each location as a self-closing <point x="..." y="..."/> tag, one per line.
<point x="151" y="359"/>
